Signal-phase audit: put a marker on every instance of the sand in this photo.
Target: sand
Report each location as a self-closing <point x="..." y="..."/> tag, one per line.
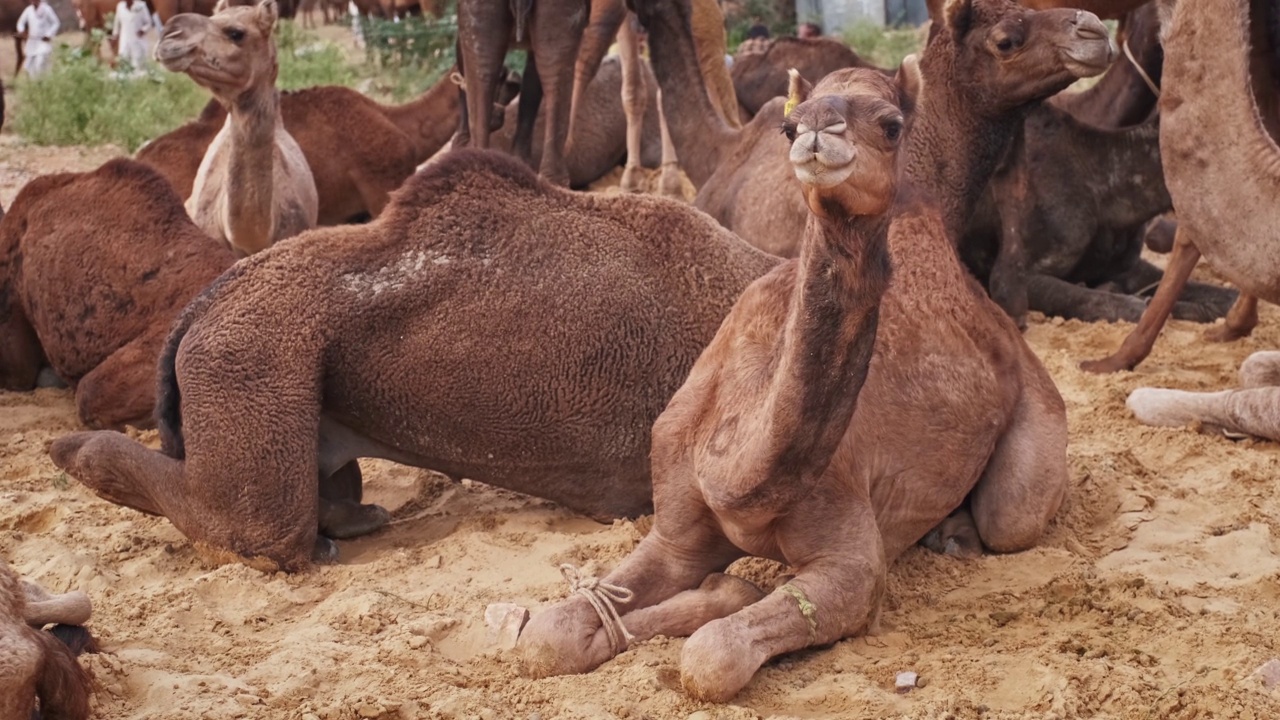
<point x="1156" y="593"/>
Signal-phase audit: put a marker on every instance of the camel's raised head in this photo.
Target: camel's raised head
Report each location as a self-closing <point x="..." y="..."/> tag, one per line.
<point x="228" y="53"/>
<point x="1011" y="55"/>
<point x="844" y="135"/>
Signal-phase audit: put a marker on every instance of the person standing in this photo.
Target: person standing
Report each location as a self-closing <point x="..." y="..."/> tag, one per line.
<point x="133" y="20"/>
<point x="39" y="23"/>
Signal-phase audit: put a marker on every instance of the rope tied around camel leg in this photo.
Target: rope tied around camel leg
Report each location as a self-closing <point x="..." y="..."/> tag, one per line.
<point x="807" y="609"/>
<point x="602" y="597"/>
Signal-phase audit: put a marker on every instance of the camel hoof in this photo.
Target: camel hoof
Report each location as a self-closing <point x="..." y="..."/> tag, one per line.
<point x="718" y="661"/>
<point x="567" y="639"/>
<point x="345" y="519"/>
<point x="1104" y="366"/>
<point x="631" y="181"/>
<point x="325" y="551"/>
<point x="1225" y="334"/>
<point x="956" y="536"/>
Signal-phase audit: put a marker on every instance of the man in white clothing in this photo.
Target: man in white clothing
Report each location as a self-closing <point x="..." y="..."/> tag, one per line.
<point x="133" y="20"/>
<point x="39" y="23"/>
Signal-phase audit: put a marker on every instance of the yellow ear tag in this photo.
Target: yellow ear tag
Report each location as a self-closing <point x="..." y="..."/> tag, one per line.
<point x="791" y="105"/>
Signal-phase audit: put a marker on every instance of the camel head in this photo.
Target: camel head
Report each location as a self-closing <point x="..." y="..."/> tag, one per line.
<point x="228" y="53"/>
<point x="1018" y="55"/>
<point x="844" y="134"/>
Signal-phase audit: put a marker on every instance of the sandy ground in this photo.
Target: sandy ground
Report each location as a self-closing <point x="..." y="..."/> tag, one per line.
<point x="1155" y="595"/>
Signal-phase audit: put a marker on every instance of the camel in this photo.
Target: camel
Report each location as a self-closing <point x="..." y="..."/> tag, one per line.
<point x="759" y="77"/>
<point x="93" y="269"/>
<point x="1062" y="223"/>
<point x="751" y="439"/>
<point x="996" y="464"/>
<point x="1249" y="410"/>
<point x="254" y="186"/>
<point x="37" y="665"/>
<point x="1221" y="71"/>
<point x="168" y="9"/>
<point x="1128" y="91"/>
<point x="10" y="11"/>
<point x="569" y="423"/>
<point x="357" y="149"/>
<point x="1105" y="9"/>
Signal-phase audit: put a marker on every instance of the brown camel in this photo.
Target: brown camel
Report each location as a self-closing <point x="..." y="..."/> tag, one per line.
<point x="1128" y="92"/>
<point x="1105" y="9"/>
<point x="10" y="11"/>
<point x="168" y="9"/>
<point x="750" y="439"/>
<point x="1062" y="223"/>
<point x="619" y="324"/>
<point x="93" y="269"/>
<point x="254" y="186"/>
<point x="358" y="150"/>
<point x="37" y="665"/>
<point x="759" y="77"/>
<point x="1222" y="71"/>
<point x="997" y="455"/>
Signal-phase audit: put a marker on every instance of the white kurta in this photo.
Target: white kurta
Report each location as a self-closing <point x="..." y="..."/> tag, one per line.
<point x="38" y="22"/>
<point x="133" y="20"/>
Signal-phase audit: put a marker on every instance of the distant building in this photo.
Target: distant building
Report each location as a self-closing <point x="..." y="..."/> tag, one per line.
<point x="835" y="16"/>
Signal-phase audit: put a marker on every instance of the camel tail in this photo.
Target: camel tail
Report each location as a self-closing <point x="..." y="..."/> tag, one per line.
<point x="168" y="414"/>
<point x="63" y="686"/>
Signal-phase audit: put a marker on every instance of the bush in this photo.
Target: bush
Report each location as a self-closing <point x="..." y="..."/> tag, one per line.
<point x="305" y="60"/>
<point x="883" y="46"/>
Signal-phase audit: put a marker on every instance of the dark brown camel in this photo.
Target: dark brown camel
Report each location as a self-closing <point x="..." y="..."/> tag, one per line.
<point x="1105" y="9"/>
<point x="40" y="666"/>
<point x="387" y="340"/>
<point x="551" y="31"/>
<point x="10" y="11"/>
<point x="358" y="149"/>
<point x="748" y="440"/>
<point x="999" y="453"/>
<point x="759" y="77"/>
<point x="93" y="269"/>
<point x="1062" y="224"/>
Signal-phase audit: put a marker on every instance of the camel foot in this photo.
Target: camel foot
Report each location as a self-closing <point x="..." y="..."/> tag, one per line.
<point x="1160" y="407"/>
<point x="344" y="519"/>
<point x="49" y="379"/>
<point x="631" y="180"/>
<point x="88" y="456"/>
<point x="1106" y="365"/>
<point x="1225" y="333"/>
<point x="669" y="184"/>
<point x="956" y="536"/>
<point x="719" y="660"/>
<point x="567" y="639"/>
<point x="325" y="551"/>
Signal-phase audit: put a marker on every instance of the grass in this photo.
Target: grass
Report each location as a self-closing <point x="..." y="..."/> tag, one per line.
<point x="885" y="47"/>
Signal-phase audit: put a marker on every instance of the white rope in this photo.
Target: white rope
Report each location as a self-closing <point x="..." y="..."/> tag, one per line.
<point x="602" y="596"/>
<point x="1134" y="61"/>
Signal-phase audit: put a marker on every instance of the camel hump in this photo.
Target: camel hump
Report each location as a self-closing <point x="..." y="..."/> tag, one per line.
<point x="465" y="170"/>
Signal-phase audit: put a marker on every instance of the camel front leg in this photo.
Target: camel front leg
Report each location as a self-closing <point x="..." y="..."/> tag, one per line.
<point x="1242" y="318"/>
<point x="669" y="184"/>
<point x="634" y="101"/>
<point x="1252" y="411"/>
<point x="122" y="389"/>
<point x="607" y="16"/>
<point x="1138" y="344"/>
<point x="718" y="596"/>
<point x="832" y="597"/>
<point x="555" y="35"/>
<point x="571" y="636"/>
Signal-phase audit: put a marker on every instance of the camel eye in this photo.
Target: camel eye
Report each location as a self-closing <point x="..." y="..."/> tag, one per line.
<point x="1004" y="45"/>
<point x="893" y="130"/>
<point x="234" y="34"/>
<point x="789" y="130"/>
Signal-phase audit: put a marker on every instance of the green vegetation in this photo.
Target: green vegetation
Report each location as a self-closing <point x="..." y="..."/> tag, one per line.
<point x="885" y="47"/>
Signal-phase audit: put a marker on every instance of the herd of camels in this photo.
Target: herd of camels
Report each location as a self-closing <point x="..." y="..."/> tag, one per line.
<point x="294" y="281"/>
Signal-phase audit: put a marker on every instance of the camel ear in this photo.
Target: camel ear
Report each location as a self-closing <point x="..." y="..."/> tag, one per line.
<point x="959" y="16"/>
<point x="268" y="13"/>
<point x="797" y="92"/>
<point x="910" y="82"/>
<point x="221" y="6"/>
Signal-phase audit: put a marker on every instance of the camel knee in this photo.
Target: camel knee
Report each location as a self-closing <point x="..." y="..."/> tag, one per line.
<point x="1018" y="527"/>
<point x="1261" y="369"/>
<point x="719" y="660"/>
<point x="566" y="639"/>
<point x="105" y="408"/>
<point x="72" y="453"/>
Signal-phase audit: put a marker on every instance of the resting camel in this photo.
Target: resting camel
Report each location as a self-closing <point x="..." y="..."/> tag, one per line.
<point x="750" y="456"/>
<point x="254" y="186"/>
<point x="1002" y="444"/>
<point x="1061" y="226"/>
<point x="357" y="149"/>
<point x="1222" y="71"/>
<point x="37" y="665"/>
<point x="759" y="77"/>
<point x="94" y="268"/>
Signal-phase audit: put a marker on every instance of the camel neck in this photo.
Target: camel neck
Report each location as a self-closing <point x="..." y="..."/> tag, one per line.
<point x="427" y="119"/>
<point x="254" y="115"/>
<point x="824" y="352"/>
<point x="701" y="137"/>
<point x="253" y="121"/>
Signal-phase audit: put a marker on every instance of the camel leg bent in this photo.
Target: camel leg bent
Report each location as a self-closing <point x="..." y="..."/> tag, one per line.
<point x="1242" y="318"/>
<point x="342" y="515"/>
<point x="1253" y="411"/>
<point x="21" y="356"/>
<point x="634" y="101"/>
<point x="122" y="389"/>
<point x="555" y="42"/>
<point x="1026" y="478"/>
<point x="570" y="637"/>
<point x="718" y="596"/>
<point x="1138" y="344"/>
<point x="1261" y="369"/>
<point x="1056" y="297"/>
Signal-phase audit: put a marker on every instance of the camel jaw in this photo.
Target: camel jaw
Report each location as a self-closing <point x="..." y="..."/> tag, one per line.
<point x="175" y="56"/>
<point x="1091" y="51"/>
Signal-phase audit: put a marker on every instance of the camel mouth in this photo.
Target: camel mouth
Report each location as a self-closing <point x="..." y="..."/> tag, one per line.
<point x="823" y="158"/>
<point x="819" y="174"/>
<point x="174" y="56"/>
<point x="1089" y="58"/>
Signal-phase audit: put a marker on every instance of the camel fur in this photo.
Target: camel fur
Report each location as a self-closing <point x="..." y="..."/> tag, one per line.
<point x="392" y="343"/>
<point x="357" y="149"/>
<point x="995" y="463"/>
<point x="761" y="76"/>
<point x="36" y="665"/>
<point x="254" y="186"/>
<point x="1220" y="120"/>
<point x="93" y="269"/>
